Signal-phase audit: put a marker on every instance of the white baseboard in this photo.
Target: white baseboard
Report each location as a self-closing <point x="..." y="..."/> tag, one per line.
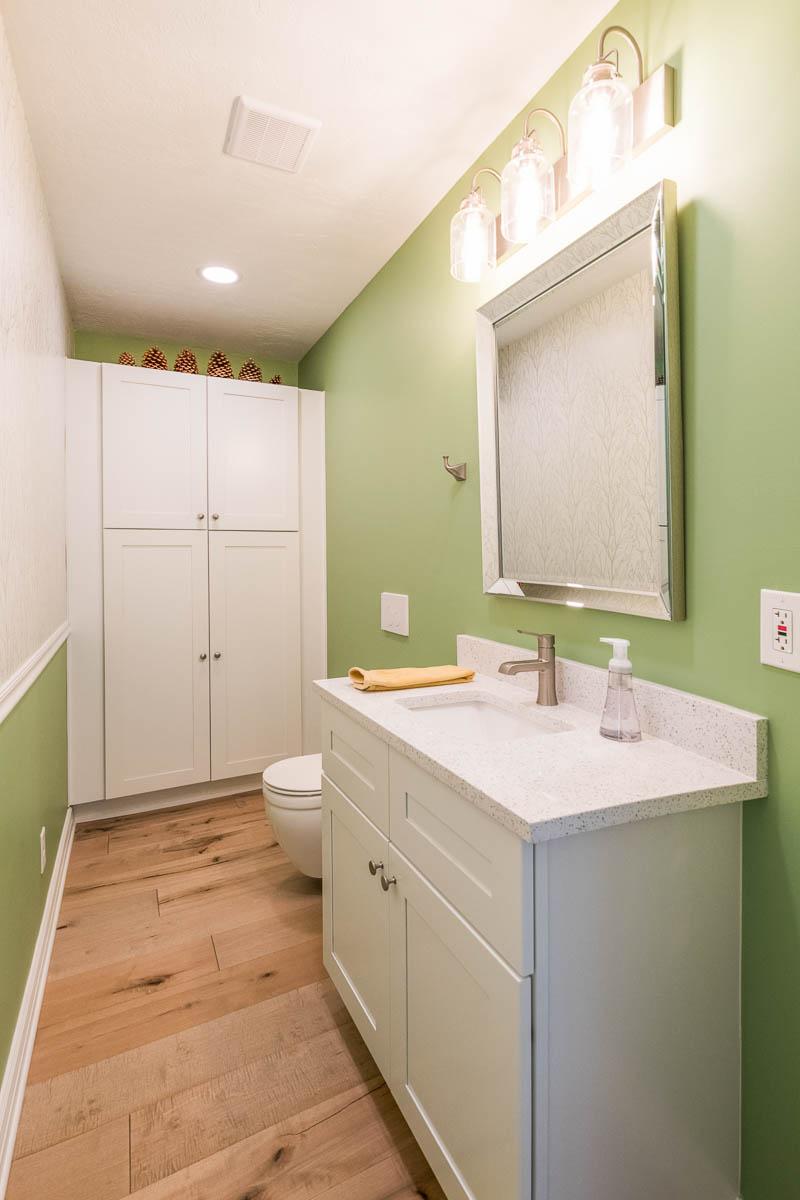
<point x="193" y="793"/>
<point x="15" y="1077"/>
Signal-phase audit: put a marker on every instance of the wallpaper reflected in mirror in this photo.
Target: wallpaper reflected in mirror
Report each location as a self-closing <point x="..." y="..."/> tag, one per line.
<point x="580" y="422"/>
<point x="578" y="432"/>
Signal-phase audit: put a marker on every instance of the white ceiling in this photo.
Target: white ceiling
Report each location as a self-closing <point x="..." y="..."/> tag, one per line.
<point x="128" y="104"/>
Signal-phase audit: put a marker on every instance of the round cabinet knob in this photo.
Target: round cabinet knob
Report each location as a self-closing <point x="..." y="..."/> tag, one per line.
<point x="387" y="883"/>
<point x="201" y="516"/>
<point x="203" y="656"/>
<point x="375" y="867"/>
<point x="215" y="516"/>
<point x="217" y="654"/>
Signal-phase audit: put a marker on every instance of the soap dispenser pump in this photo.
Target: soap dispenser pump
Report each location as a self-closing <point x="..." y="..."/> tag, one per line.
<point x="620" y="720"/>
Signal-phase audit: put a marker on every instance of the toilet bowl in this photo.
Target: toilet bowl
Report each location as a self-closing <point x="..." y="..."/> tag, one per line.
<point x="293" y="802"/>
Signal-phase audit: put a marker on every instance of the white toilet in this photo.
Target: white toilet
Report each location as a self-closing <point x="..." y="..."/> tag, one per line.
<point x="293" y="802"/>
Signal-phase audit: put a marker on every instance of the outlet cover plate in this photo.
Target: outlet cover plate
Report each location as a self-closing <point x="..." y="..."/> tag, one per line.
<point x="780" y="629"/>
<point x="394" y="613"/>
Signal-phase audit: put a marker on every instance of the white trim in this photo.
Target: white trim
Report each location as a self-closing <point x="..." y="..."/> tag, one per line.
<point x="84" y="520"/>
<point x="313" y="583"/>
<point x="191" y="793"/>
<point x="12" y="1090"/>
<point x="15" y="687"/>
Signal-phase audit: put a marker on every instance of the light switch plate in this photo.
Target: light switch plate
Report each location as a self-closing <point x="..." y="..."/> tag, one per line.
<point x="394" y="613"/>
<point x="780" y="629"/>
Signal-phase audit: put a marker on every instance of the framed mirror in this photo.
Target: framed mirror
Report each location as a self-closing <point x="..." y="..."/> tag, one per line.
<point x="580" y="422"/>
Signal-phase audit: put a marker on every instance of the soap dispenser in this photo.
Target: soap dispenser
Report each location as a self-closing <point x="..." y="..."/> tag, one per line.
<point x="620" y="719"/>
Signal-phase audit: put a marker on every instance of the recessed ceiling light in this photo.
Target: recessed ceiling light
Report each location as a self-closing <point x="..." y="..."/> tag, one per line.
<point x="219" y="274"/>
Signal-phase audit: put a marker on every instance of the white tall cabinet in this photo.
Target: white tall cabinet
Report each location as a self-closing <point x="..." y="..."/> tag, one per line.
<point x="185" y="561"/>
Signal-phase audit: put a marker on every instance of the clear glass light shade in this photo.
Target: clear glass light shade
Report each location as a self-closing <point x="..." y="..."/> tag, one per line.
<point x="600" y="127"/>
<point x="473" y="241"/>
<point x="527" y="192"/>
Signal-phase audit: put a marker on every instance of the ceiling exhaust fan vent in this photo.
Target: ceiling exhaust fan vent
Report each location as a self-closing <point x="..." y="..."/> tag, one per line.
<point x="269" y="136"/>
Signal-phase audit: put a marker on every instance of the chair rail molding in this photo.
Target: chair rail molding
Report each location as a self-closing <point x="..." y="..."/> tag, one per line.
<point x="15" y="687"/>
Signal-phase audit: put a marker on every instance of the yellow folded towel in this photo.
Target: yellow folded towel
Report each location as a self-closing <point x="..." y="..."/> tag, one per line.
<point x="407" y="677"/>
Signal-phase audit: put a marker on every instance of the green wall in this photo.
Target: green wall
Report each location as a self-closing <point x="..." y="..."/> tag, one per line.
<point x="398" y="368"/>
<point x="33" y="793"/>
<point x="107" y="347"/>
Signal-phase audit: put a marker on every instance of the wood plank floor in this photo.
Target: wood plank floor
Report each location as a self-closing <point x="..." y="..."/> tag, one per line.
<point x="191" y="1045"/>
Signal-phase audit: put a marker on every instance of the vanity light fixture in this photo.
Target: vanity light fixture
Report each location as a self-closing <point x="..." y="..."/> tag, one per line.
<point x="527" y="185"/>
<point x="600" y="119"/>
<point x="213" y="274"/>
<point x="608" y="122"/>
<point x="473" y="235"/>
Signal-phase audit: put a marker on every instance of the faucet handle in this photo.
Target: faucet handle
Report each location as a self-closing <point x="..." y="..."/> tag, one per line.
<point x="546" y="640"/>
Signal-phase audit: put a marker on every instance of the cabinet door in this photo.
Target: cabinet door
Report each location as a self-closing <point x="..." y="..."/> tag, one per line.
<point x="156" y="659"/>
<point x="253" y="455"/>
<point x="461" y="1045"/>
<point x="356" y="917"/>
<point x="254" y="589"/>
<point x="154" y="449"/>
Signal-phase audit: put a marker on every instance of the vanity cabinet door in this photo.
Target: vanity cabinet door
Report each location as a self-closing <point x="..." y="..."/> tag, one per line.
<point x="356" y="917"/>
<point x="461" y="1045"/>
<point x="252" y="455"/>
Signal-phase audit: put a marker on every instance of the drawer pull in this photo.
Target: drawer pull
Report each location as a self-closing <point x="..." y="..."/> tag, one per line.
<point x="387" y="883"/>
<point x="375" y="867"/>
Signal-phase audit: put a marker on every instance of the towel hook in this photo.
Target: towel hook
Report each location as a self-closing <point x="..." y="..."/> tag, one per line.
<point x="457" y="470"/>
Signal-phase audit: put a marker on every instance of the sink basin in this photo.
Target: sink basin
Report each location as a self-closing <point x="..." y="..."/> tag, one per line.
<point x="481" y="718"/>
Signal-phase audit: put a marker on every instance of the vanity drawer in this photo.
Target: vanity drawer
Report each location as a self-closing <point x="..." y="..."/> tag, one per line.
<point x="483" y="869"/>
<point x="358" y="763"/>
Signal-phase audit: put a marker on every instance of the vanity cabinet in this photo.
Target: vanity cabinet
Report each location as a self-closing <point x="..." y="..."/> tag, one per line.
<point x="556" y="1021"/>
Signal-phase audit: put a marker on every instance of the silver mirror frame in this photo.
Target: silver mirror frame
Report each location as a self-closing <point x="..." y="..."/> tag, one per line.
<point x="655" y="209"/>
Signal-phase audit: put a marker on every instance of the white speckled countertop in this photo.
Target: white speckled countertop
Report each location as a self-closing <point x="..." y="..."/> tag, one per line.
<point x="572" y="781"/>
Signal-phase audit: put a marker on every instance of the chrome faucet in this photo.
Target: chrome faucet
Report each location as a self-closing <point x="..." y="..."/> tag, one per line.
<point x="544" y="665"/>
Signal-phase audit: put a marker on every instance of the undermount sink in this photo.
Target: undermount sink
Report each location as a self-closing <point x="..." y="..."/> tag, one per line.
<point x="481" y="718"/>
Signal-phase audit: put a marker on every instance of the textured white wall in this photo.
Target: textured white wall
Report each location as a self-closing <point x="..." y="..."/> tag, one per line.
<point x="34" y="340"/>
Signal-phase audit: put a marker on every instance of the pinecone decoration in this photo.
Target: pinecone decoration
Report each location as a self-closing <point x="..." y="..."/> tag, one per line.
<point x="126" y="360"/>
<point x="186" y="362"/>
<point x="251" y="371"/>
<point x="155" y="358"/>
<point x="276" y="379"/>
<point x="219" y="366"/>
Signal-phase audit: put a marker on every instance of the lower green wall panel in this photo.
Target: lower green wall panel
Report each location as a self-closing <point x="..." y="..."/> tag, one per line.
<point x="107" y="347"/>
<point x="33" y="793"/>
<point x="399" y="370"/>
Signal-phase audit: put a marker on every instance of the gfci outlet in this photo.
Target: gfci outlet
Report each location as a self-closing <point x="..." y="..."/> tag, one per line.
<point x="42" y="850"/>
<point x="780" y="629"/>
<point x="394" y="613"/>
